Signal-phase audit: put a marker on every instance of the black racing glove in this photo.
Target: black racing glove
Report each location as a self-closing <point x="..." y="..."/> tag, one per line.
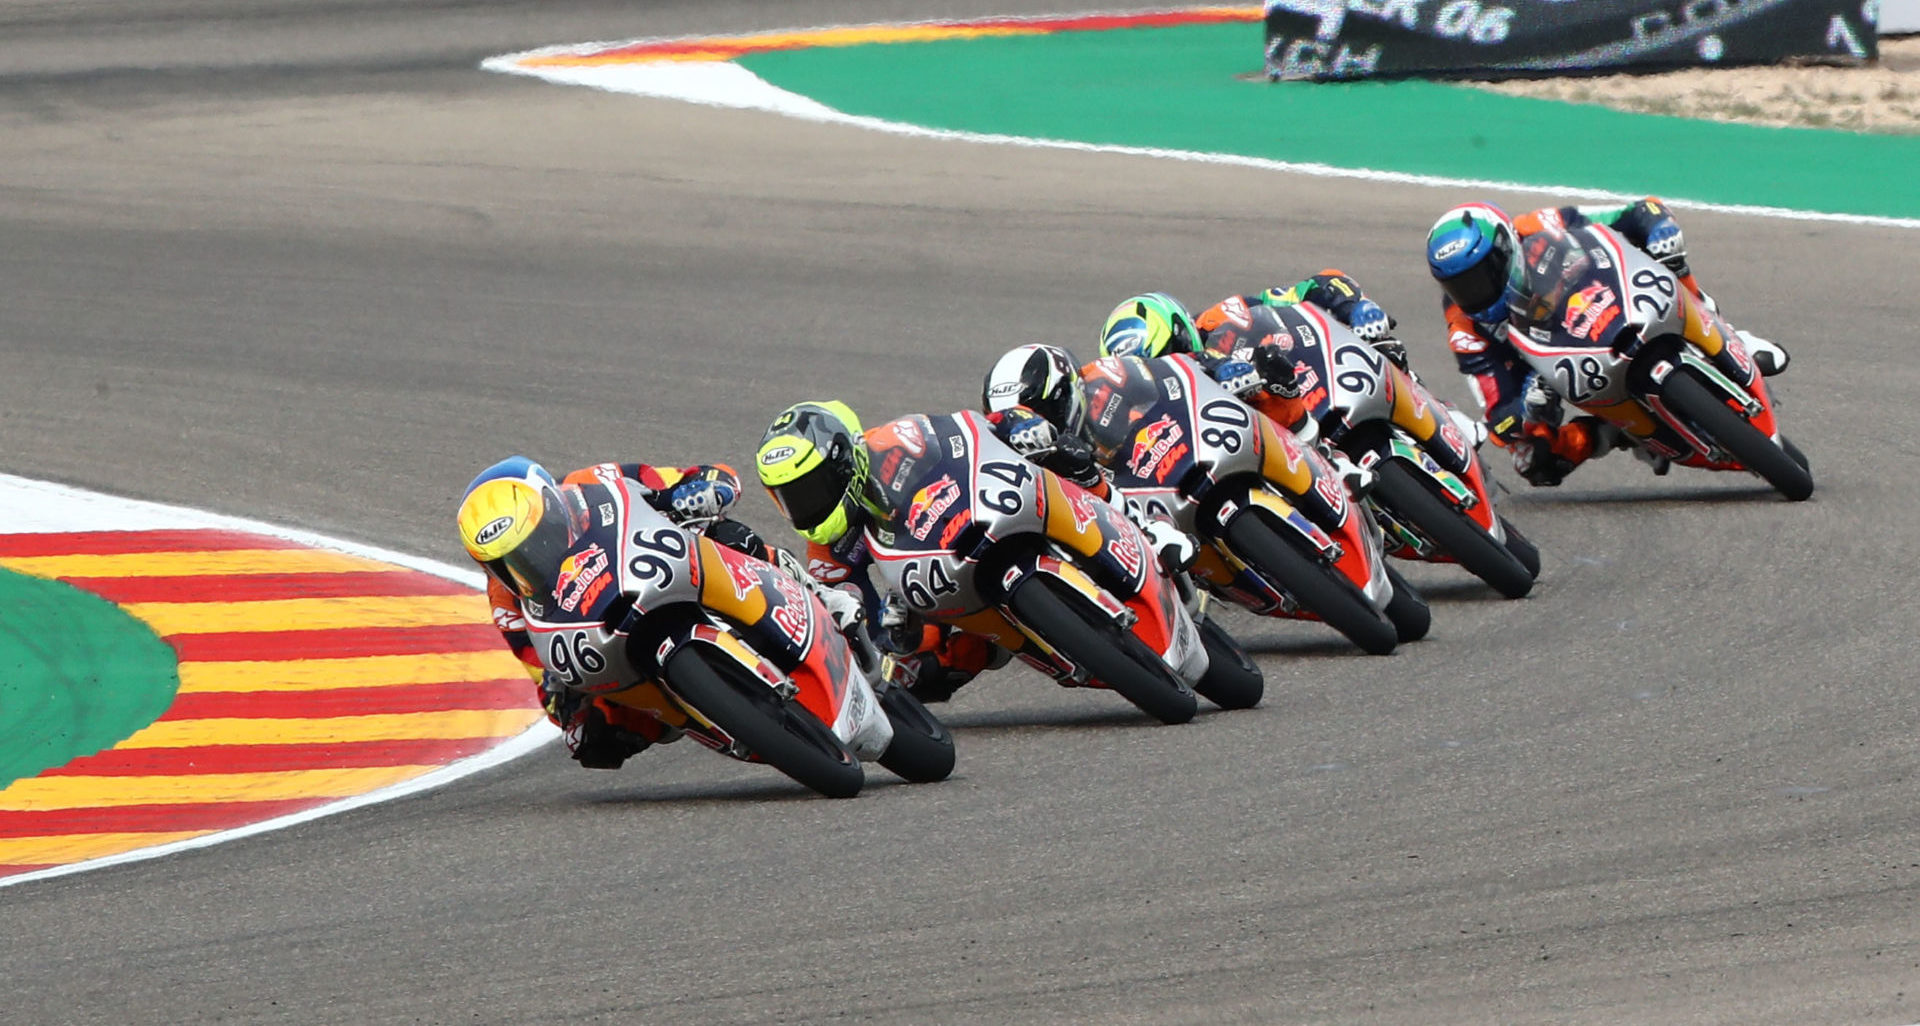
<point x="1276" y="366"/>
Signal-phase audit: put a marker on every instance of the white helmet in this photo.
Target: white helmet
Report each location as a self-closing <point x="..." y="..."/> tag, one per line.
<point x="1041" y="378"/>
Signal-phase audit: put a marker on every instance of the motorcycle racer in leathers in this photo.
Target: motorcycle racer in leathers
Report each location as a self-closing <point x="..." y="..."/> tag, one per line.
<point x="1033" y="399"/>
<point x="814" y="460"/>
<point x="515" y="508"/>
<point x="1469" y="250"/>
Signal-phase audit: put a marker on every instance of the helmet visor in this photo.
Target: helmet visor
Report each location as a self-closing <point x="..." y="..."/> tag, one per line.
<point x="534" y="564"/>
<point x="1128" y="336"/>
<point x="1481" y="287"/>
<point x="812" y="497"/>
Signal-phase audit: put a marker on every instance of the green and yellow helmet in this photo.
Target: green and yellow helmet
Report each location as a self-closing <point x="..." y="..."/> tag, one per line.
<point x="1149" y="325"/>
<point x="813" y="461"/>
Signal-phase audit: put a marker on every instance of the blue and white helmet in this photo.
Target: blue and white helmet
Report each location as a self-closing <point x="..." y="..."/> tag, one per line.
<point x="1468" y="250"/>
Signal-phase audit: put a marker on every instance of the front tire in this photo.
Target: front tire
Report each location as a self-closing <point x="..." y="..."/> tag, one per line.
<point x="780" y="731"/>
<point x="1456" y="533"/>
<point x="1232" y="681"/>
<point x="1523" y="549"/>
<point x="1687" y="397"/>
<point x="1321" y="589"/>
<point x="1112" y="656"/>
<point x="1412" y="617"/>
<point x="922" y="748"/>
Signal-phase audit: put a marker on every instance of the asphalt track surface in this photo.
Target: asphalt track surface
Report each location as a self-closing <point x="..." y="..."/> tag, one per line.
<point x="299" y="260"/>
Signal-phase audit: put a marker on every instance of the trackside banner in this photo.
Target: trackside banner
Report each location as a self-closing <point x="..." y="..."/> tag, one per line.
<point x="1345" y="39"/>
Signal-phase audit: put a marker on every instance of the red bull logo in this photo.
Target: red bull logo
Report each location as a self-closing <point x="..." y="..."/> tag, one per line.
<point x="1589" y="311"/>
<point x="1080" y="504"/>
<point x="582" y="577"/>
<point x="745" y="577"/>
<point x="1153" y="444"/>
<point x="929" y="503"/>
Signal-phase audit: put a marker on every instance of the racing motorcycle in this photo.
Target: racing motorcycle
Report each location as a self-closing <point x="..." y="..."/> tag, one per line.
<point x="1617" y="335"/>
<point x="724" y="647"/>
<point x="1285" y="539"/>
<point x="976" y="537"/>
<point x="1430" y="495"/>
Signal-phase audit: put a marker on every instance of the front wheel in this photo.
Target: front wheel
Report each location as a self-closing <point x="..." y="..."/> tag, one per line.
<point x="1232" y="681"/>
<point x="1110" y="655"/>
<point x="1321" y="589"/>
<point x="922" y="748"/>
<point x="1412" y="617"/>
<point x="1522" y="548"/>
<point x="1694" y="403"/>
<point x="781" y="732"/>
<point x="1452" y="529"/>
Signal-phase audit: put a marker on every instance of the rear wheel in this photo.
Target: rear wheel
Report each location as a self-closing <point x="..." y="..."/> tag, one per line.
<point x="922" y="748"/>
<point x="1522" y="549"/>
<point x="1232" y="681"/>
<point x="1687" y="397"/>
<point x="1452" y="529"/>
<point x="781" y="732"/>
<point x="1321" y="589"/>
<point x="1411" y="615"/>
<point x="1112" y="656"/>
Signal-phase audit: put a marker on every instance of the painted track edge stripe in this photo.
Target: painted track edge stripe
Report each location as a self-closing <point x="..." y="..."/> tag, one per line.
<point x="528" y="741"/>
<point x="819" y="112"/>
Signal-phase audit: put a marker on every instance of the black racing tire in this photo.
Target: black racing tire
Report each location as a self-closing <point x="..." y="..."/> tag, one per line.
<point x="1322" y="589"/>
<point x="1232" y="680"/>
<point x="1689" y="398"/>
<point x="1411" y="616"/>
<point x="1112" y="656"/>
<point x="922" y="748"/>
<point x="1523" y="549"/>
<point x="1452" y="529"/>
<point x="782" y="732"/>
<point x="1786" y="444"/>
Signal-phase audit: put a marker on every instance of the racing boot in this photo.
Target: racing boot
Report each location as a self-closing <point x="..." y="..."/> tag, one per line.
<point x="1358" y="479"/>
<point x="1659" y="463"/>
<point x="1767" y="355"/>
<point x="1474" y="431"/>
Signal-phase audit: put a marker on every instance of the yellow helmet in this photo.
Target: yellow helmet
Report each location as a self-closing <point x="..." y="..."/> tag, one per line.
<point x="515" y="522"/>
<point x="813" y="461"/>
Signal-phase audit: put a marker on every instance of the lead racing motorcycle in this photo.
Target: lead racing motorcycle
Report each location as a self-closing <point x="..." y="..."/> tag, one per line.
<point x="977" y="538"/>
<point x="1430" y="493"/>
<point x="1618" y="335"/>
<point x="1285" y="538"/>
<point x="724" y="647"/>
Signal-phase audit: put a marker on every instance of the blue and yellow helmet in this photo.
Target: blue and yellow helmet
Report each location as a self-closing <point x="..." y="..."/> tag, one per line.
<point x="1468" y="251"/>
<point x="514" y="522"/>
<point x="813" y="461"/>
<point x="1149" y="325"/>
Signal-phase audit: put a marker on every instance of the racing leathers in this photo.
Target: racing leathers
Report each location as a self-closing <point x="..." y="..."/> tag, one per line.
<point x="1240" y="326"/>
<point x="1244" y="328"/>
<point x="1071" y="456"/>
<point x="602" y="734"/>
<point x="929" y="660"/>
<point x="1522" y="411"/>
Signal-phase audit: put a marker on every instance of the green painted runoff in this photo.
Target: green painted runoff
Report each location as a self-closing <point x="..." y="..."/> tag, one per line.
<point x="1175" y="88"/>
<point x="77" y="674"/>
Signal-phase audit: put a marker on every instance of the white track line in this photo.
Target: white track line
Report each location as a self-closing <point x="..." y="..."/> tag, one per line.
<point x="32" y="507"/>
